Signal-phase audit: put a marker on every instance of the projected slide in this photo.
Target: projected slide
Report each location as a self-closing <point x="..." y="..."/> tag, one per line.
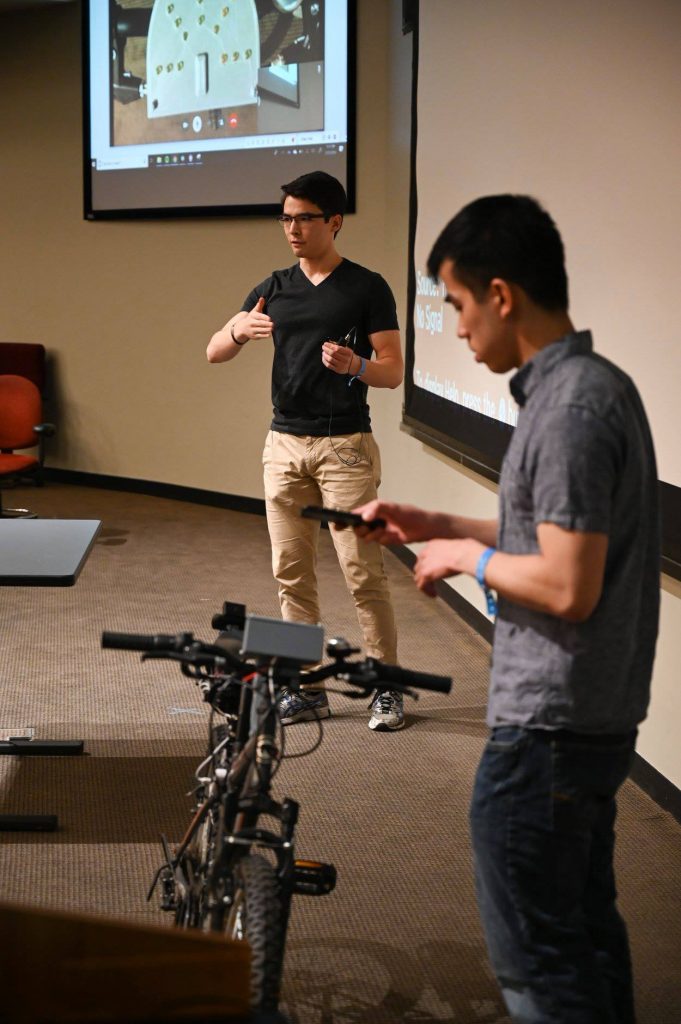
<point x="195" y="104"/>
<point x="443" y="365"/>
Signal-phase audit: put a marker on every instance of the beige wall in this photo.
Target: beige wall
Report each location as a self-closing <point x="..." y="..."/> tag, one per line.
<point x="126" y="308"/>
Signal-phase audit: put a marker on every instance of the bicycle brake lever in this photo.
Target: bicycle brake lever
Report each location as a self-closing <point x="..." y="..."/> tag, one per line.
<point x="195" y="659"/>
<point x="365" y="687"/>
<point x="357" y="694"/>
<point x="163" y="656"/>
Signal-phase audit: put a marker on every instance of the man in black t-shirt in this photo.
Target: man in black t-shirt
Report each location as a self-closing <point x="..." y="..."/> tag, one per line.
<point x="335" y="333"/>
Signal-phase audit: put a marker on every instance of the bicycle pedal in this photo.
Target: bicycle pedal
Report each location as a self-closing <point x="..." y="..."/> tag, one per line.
<point x="312" y="878"/>
<point x="168" y="895"/>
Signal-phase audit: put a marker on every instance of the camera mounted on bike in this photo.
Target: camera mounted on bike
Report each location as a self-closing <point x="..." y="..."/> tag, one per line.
<point x="232" y="617"/>
<point x="293" y="643"/>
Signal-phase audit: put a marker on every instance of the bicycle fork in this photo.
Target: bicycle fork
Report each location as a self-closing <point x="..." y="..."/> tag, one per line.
<point x="297" y="876"/>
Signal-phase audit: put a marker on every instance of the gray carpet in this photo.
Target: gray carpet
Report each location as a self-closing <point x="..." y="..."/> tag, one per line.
<point x="399" y="939"/>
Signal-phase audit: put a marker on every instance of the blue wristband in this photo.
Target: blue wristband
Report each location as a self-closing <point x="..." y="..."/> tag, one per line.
<point x="362" y="368"/>
<point x="480" y="577"/>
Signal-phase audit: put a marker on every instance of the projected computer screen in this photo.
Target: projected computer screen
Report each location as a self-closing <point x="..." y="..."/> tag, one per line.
<point x="509" y="98"/>
<point x="207" y="106"/>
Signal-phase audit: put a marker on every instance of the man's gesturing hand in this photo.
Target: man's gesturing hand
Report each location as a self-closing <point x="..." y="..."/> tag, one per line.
<point x="442" y="558"/>
<point x="255" y="324"/>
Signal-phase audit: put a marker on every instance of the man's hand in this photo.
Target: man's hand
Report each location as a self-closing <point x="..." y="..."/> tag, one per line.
<point x="338" y="358"/>
<point x="255" y="324"/>
<point x="243" y="327"/>
<point x="384" y="367"/>
<point x="405" y="524"/>
<point x="442" y="558"/>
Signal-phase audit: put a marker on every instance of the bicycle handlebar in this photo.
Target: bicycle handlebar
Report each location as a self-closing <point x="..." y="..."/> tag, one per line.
<point x="408" y="677"/>
<point x="366" y="673"/>
<point x="142" y="642"/>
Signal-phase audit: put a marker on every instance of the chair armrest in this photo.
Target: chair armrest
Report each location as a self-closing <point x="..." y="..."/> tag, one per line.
<point x="43" y="430"/>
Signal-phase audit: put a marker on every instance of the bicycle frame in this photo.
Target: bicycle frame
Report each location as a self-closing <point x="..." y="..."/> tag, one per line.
<point x="229" y="873"/>
<point x="238" y="796"/>
<point x="248" y="791"/>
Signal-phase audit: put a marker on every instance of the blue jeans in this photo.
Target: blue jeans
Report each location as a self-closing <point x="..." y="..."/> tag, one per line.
<point x="542" y="823"/>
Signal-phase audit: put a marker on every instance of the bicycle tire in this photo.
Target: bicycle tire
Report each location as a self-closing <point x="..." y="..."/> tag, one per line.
<point x="194" y="908"/>
<point x="257" y="915"/>
<point x="190" y="911"/>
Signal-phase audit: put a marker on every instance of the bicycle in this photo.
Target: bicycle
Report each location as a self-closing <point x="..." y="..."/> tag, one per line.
<point x="228" y="873"/>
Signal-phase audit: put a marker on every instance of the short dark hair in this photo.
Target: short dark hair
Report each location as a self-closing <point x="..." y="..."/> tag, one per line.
<point x="506" y="236"/>
<point x="319" y="188"/>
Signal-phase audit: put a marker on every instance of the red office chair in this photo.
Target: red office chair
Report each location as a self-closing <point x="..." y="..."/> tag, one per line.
<point x="26" y="359"/>
<point x="20" y="427"/>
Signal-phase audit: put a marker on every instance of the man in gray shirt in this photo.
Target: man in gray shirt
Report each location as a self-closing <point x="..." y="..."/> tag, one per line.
<point x="574" y="559"/>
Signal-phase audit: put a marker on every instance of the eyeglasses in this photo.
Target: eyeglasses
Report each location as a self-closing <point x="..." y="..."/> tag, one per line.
<point x="299" y="218"/>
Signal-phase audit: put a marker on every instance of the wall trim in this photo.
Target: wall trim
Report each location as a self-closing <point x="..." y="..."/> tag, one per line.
<point x="156" y="489"/>
<point x="647" y="778"/>
<point x="463" y="608"/>
<point x="657" y="786"/>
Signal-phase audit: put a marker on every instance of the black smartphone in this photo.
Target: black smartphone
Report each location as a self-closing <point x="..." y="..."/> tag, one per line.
<point x="343" y="342"/>
<point x="339" y="517"/>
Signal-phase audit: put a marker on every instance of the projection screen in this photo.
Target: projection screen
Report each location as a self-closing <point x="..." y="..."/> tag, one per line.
<point x="199" y="107"/>
<point x="576" y="104"/>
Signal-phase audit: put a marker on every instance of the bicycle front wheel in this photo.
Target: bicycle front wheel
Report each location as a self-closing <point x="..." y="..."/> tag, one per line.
<point x="257" y="915"/>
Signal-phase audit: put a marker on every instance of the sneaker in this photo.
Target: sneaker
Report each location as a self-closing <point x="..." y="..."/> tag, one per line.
<point x="387" y="711"/>
<point x="303" y="706"/>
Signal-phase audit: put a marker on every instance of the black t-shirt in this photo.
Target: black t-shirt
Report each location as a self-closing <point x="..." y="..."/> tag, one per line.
<point x="308" y="398"/>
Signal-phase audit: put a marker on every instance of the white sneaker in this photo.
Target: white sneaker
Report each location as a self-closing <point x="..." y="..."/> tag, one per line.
<point x="387" y="711"/>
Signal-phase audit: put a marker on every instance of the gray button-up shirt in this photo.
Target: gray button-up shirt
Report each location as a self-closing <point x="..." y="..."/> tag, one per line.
<point x="582" y="457"/>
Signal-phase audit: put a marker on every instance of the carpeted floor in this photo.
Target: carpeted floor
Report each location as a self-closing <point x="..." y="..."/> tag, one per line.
<point x="399" y="939"/>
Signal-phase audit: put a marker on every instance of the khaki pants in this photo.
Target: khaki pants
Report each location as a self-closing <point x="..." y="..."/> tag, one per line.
<point x="303" y="471"/>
